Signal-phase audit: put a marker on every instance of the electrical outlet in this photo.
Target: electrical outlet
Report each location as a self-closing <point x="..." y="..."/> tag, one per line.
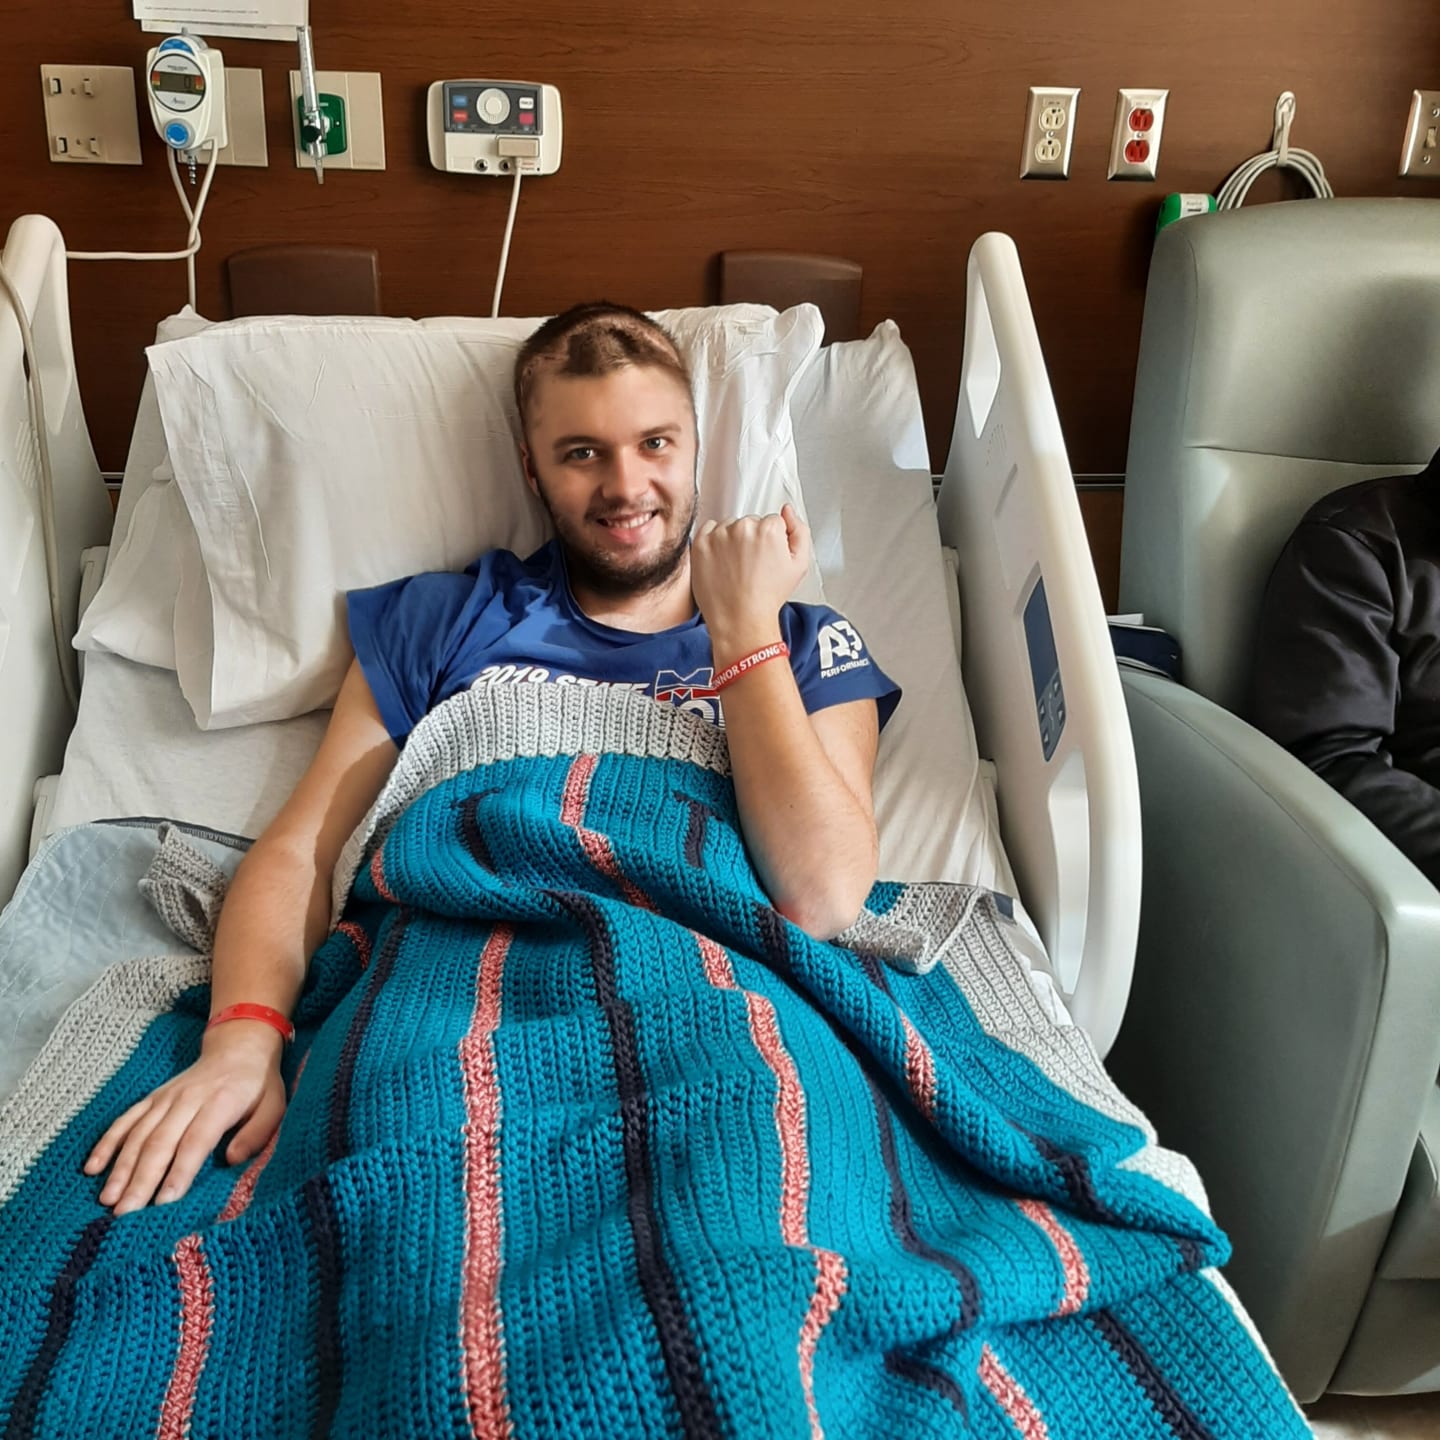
<point x="1135" y="144"/>
<point x="1420" y="155"/>
<point x="244" y="119"/>
<point x="1049" y="133"/>
<point x="364" y="119"/>
<point x="90" y="114"/>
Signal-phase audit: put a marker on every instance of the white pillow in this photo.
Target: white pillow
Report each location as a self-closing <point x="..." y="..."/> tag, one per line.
<point x="315" y="456"/>
<point x="860" y="434"/>
<point x="133" y="613"/>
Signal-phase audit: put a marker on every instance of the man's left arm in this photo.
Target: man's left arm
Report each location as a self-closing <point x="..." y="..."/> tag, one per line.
<point x="802" y="781"/>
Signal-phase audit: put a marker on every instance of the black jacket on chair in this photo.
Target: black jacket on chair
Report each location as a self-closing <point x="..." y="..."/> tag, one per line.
<point x="1347" y="657"/>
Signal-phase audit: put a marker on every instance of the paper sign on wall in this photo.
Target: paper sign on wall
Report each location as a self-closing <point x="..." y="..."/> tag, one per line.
<point x="248" y="19"/>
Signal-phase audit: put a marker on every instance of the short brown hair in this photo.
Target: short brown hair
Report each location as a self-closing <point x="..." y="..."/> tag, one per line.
<point x="594" y="339"/>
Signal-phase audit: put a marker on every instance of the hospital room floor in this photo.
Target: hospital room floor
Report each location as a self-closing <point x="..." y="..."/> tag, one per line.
<point x="1364" y="1417"/>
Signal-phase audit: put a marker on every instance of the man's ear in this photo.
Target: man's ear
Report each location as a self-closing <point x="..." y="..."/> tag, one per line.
<point x="529" y="469"/>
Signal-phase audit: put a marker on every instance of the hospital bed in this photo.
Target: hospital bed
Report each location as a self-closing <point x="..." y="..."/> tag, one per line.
<point x="1089" y="1291"/>
<point x="1027" y="629"/>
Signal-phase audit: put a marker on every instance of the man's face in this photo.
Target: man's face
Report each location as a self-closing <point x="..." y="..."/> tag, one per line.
<point x="613" y="460"/>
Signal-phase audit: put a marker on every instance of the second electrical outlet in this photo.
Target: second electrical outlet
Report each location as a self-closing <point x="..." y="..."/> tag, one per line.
<point x="1135" y="144"/>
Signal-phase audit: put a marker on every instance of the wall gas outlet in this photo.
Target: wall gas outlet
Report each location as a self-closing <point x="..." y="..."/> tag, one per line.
<point x="1420" y="155"/>
<point x="90" y="114"/>
<point x="1135" y="144"/>
<point x="364" y="119"/>
<point x="1049" y="133"/>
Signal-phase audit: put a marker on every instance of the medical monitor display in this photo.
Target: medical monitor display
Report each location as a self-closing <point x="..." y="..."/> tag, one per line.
<point x="177" y="82"/>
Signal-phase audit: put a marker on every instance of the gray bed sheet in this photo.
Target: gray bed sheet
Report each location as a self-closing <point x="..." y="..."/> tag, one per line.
<point x="77" y="911"/>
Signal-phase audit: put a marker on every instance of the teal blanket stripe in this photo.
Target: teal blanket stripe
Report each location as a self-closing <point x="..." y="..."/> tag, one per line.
<point x="584" y="1139"/>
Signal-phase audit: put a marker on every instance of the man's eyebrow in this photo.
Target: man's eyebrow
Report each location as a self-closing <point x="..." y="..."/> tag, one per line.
<point x="566" y="442"/>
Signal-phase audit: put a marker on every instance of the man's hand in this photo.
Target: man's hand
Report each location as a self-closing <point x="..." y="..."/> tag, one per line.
<point x="741" y="573"/>
<point x="169" y="1134"/>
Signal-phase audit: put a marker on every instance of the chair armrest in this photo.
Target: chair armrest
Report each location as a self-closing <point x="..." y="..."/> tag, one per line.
<point x="1284" y="1024"/>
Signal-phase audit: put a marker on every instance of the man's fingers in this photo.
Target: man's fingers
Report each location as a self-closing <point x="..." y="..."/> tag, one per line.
<point x="114" y="1137"/>
<point x="706" y="528"/>
<point x="125" y="1162"/>
<point x="154" y="1158"/>
<point x="199" y="1141"/>
<point x="796" y="530"/>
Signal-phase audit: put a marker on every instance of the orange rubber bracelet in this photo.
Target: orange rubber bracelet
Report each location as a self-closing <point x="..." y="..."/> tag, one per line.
<point x="731" y="673"/>
<point x="263" y="1013"/>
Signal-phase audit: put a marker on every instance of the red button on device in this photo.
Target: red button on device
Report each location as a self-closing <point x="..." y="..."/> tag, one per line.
<point x="527" y="117"/>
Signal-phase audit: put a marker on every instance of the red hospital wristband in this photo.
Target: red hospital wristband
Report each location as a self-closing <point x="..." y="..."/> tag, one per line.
<point x="731" y="673"/>
<point x="254" y="1012"/>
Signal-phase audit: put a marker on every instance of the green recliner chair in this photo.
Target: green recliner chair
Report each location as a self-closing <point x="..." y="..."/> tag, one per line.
<point x="1284" y="1025"/>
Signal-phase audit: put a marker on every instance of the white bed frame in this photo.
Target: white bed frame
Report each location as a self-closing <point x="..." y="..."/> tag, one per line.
<point x="35" y="716"/>
<point x="1070" y="818"/>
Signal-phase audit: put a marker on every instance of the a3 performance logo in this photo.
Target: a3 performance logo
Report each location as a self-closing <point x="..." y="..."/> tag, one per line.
<point x="841" y="648"/>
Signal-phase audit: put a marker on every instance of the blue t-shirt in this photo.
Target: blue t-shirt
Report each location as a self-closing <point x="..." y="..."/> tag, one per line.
<point x="422" y="640"/>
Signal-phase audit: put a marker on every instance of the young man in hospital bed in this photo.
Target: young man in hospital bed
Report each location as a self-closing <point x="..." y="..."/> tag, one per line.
<point x="622" y="595"/>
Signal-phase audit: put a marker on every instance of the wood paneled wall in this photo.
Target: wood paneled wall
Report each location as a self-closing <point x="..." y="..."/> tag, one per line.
<point x="889" y="134"/>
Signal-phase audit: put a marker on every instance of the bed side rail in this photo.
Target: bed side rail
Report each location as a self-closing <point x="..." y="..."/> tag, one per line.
<point x="1039" y="671"/>
<point x="35" y="718"/>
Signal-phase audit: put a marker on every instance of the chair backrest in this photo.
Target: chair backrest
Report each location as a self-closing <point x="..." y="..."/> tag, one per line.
<point x="1288" y="350"/>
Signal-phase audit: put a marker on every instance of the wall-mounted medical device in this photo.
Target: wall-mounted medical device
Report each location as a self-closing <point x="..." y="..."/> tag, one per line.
<point x="185" y="79"/>
<point x="494" y="127"/>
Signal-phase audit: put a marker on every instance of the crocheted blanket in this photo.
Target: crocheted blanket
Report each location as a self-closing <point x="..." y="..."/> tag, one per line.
<point x="584" y="1139"/>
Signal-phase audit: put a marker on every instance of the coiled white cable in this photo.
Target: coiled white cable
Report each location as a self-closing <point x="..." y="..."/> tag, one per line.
<point x="63" y="655"/>
<point x="192" y="239"/>
<point x="1280" y="155"/>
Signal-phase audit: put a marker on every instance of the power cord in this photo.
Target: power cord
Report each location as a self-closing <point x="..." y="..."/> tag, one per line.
<point x="505" y="244"/>
<point x="1278" y="156"/>
<point x="63" y="654"/>
<point x="192" y="214"/>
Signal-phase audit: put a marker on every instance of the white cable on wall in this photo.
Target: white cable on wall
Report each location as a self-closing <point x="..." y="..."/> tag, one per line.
<point x="505" y="244"/>
<point x="1280" y="156"/>
<point x="192" y="239"/>
<point x="63" y="654"/>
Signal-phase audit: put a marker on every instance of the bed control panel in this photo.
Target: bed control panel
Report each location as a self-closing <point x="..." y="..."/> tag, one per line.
<point x="493" y="127"/>
<point x="1044" y="669"/>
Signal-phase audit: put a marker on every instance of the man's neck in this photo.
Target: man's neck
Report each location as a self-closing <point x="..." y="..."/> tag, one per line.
<point x="661" y="608"/>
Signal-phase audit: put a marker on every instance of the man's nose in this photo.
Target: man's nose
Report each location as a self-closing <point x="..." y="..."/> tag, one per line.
<point x="628" y="477"/>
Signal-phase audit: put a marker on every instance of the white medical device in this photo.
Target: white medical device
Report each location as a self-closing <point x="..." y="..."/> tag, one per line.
<point x="185" y="79"/>
<point x="493" y="127"/>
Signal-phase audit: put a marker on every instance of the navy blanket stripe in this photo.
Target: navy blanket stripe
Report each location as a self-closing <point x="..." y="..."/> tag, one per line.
<point x="324" y="1225"/>
<point x="903" y="1219"/>
<point x="60" y="1313"/>
<point x="338" y="1128"/>
<point x="928" y="1377"/>
<point x="698" y="1415"/>
<point x="1162" y="1395"/>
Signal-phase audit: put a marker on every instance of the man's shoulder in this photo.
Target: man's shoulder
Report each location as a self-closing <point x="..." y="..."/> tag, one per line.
<point x="1383" y="512"/>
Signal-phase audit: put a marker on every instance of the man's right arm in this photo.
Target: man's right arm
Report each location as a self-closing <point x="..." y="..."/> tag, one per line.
<point x="276" y="914"/>
<point x="1327" y="682"/>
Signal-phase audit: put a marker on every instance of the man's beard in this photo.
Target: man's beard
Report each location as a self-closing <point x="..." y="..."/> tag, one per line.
<point x="613" y="576"/>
